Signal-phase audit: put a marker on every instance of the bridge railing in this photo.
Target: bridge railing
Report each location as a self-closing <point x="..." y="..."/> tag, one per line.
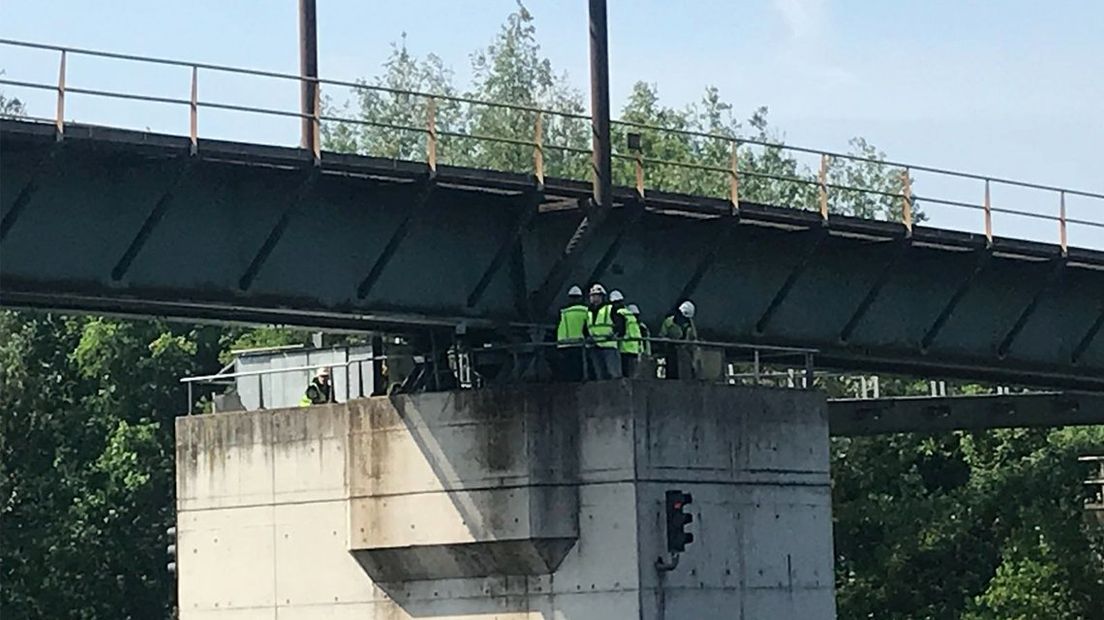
<point x="458" y="130"/>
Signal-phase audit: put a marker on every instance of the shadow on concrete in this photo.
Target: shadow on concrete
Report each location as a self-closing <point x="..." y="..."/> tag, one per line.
<point x="498" y="471"/>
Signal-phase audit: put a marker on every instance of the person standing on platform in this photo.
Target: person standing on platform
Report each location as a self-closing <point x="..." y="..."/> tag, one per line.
<point x="319" y="391"/>
<point x="632" y="345"/>
<point x="680" y="359"/>
<point x="569" y="336"/>
<point x="602" y="330"/>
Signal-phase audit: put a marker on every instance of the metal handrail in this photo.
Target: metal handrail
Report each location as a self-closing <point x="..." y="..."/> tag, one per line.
<point x="907" y="197"/>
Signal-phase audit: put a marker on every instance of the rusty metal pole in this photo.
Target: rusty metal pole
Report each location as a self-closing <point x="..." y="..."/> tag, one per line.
<point x="308" y="72"/>
<point x="600" y="105"/>
<point x="601" y="153"/>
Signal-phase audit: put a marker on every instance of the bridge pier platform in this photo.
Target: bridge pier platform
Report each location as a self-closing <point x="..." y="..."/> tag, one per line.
<point x="540" y="501"/>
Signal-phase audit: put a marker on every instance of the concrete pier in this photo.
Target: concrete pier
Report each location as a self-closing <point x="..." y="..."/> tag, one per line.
<point x="522" y="502"/>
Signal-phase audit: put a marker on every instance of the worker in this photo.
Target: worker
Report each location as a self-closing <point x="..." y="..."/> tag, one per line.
<point x="569" y="336"/>
<point x="319" y="391"/>
<point x="645" y="333"/>
<point x="602" y="330"/>
<point x="632" y="345"/>
<point x="680" y="360"/>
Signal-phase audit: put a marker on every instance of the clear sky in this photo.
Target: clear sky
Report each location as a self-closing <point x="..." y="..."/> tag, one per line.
<point x="1011" y="88"/>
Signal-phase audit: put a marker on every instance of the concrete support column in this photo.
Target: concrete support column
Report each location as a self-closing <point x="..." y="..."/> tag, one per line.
<point x="523" y="502"/>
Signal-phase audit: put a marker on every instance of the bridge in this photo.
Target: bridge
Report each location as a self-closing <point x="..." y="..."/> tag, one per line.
<point x="524" y="499"/>
<point x="119" y="221"/>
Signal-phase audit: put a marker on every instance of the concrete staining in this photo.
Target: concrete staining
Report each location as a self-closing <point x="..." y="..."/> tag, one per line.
<point x="521" y="502"/>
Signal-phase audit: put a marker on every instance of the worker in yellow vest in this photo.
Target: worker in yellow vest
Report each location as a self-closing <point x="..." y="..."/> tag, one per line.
<point x="632" y="345"/>
<point x="645" y="332"/>
<point x="681" y="360"/>
<point x="319" y="391"/>
<point x="569" y="337"/>
<point x="603" y="329"/>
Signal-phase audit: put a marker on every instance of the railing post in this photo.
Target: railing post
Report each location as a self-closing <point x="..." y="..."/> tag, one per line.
<point x="823" y="187"/>
<point x="734" y="179"/>
<point x="538" y="149"/>
<point x="988" y="215"/>
<point x="638" y="165"/>
<point x="1062" y="240"/>
<point x="906" y="204"/>
<point x="193" y="112"/>
<point x="316" y="124"/>
<point x="431" y="130"/>
<point x="59" y="122"/>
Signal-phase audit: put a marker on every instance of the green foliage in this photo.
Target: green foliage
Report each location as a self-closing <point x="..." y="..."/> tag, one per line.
<point x="86" y="442"/>
<point x="10" y="106"/>
<point x="258" y="338"/>
<point x="972" y="525"/>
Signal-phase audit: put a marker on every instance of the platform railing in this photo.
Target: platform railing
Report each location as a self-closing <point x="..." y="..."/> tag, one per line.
<point x="721" y="159"/>
<point x="735" y="363"/>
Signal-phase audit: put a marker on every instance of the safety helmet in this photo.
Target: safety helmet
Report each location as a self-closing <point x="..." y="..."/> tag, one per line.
<point x="687" y="309"/>
<point x="616" y="296"/>
<point x="634" y="309"/>
<point x="323" y="372"/>
<point x="597" y="289"/>
<point x="574" y="291"/>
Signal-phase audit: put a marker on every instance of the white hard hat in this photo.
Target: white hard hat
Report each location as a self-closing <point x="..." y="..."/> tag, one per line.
<point x="323" y="372"/>
<point x="633" y="308"/>
<point x="597" y="289"/>
<point x="687" y="309"/>
<point x="616" y="296"/>
<point x="574" y="291"/>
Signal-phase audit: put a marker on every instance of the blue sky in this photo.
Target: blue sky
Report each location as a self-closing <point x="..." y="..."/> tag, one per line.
<point x="1010" y="89"/>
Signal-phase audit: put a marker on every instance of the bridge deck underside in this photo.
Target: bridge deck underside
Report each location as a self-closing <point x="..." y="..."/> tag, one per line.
<point x="125" y="222"/>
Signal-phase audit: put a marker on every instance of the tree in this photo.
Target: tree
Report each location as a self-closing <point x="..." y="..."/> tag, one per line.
<point x="10" y="106"/>
<point x="86" y="440"/>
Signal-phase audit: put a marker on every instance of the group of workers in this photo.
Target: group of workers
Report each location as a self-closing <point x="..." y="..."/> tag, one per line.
<point x="599" y="338"/>
<point x="604" y="338"/>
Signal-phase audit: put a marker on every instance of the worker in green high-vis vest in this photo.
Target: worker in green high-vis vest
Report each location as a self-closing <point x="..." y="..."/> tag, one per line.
<point x="604" y="327"/>
<point x="319" y="391"/>
<point x="632" y="345"/>
<point x="681" y="359"/>
<point x="569" y="337"/>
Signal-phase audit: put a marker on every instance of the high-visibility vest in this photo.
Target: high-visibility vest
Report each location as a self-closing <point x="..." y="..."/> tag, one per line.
<point x="572" y="320"/>
<point x="600" y="326"/>
<point x="673" y="331"/>
<point x="314" y="395"/>
<point x="632" y="344"/>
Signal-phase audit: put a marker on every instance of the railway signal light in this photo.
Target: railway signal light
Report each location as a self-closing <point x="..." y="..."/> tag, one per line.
<point x="677" y="520"/>
<point x="171" y="550"/>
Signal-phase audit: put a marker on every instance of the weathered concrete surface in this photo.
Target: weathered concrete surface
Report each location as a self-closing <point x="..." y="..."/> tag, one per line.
<point x="527" y="502"/>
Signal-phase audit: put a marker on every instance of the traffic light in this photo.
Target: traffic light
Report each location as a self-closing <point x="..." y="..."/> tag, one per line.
<point x="677" y="520"/>
<point x="171" y="550"/>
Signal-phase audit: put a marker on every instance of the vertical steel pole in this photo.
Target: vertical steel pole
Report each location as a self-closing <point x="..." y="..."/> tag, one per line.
<point x="906" y="203"/>
<point x="308" y="73"/>
<point x="599" y="105"/>
<point x="60" y="120"/>
<point x="1062" y="236"/>
<point x="734" y="181"/>
<point x="538" y="149"/>
<point x="822" y="180"/>
<point x="431" y="134"/>
<point x="193" y="112"/>
<point x="988" y="216"/>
